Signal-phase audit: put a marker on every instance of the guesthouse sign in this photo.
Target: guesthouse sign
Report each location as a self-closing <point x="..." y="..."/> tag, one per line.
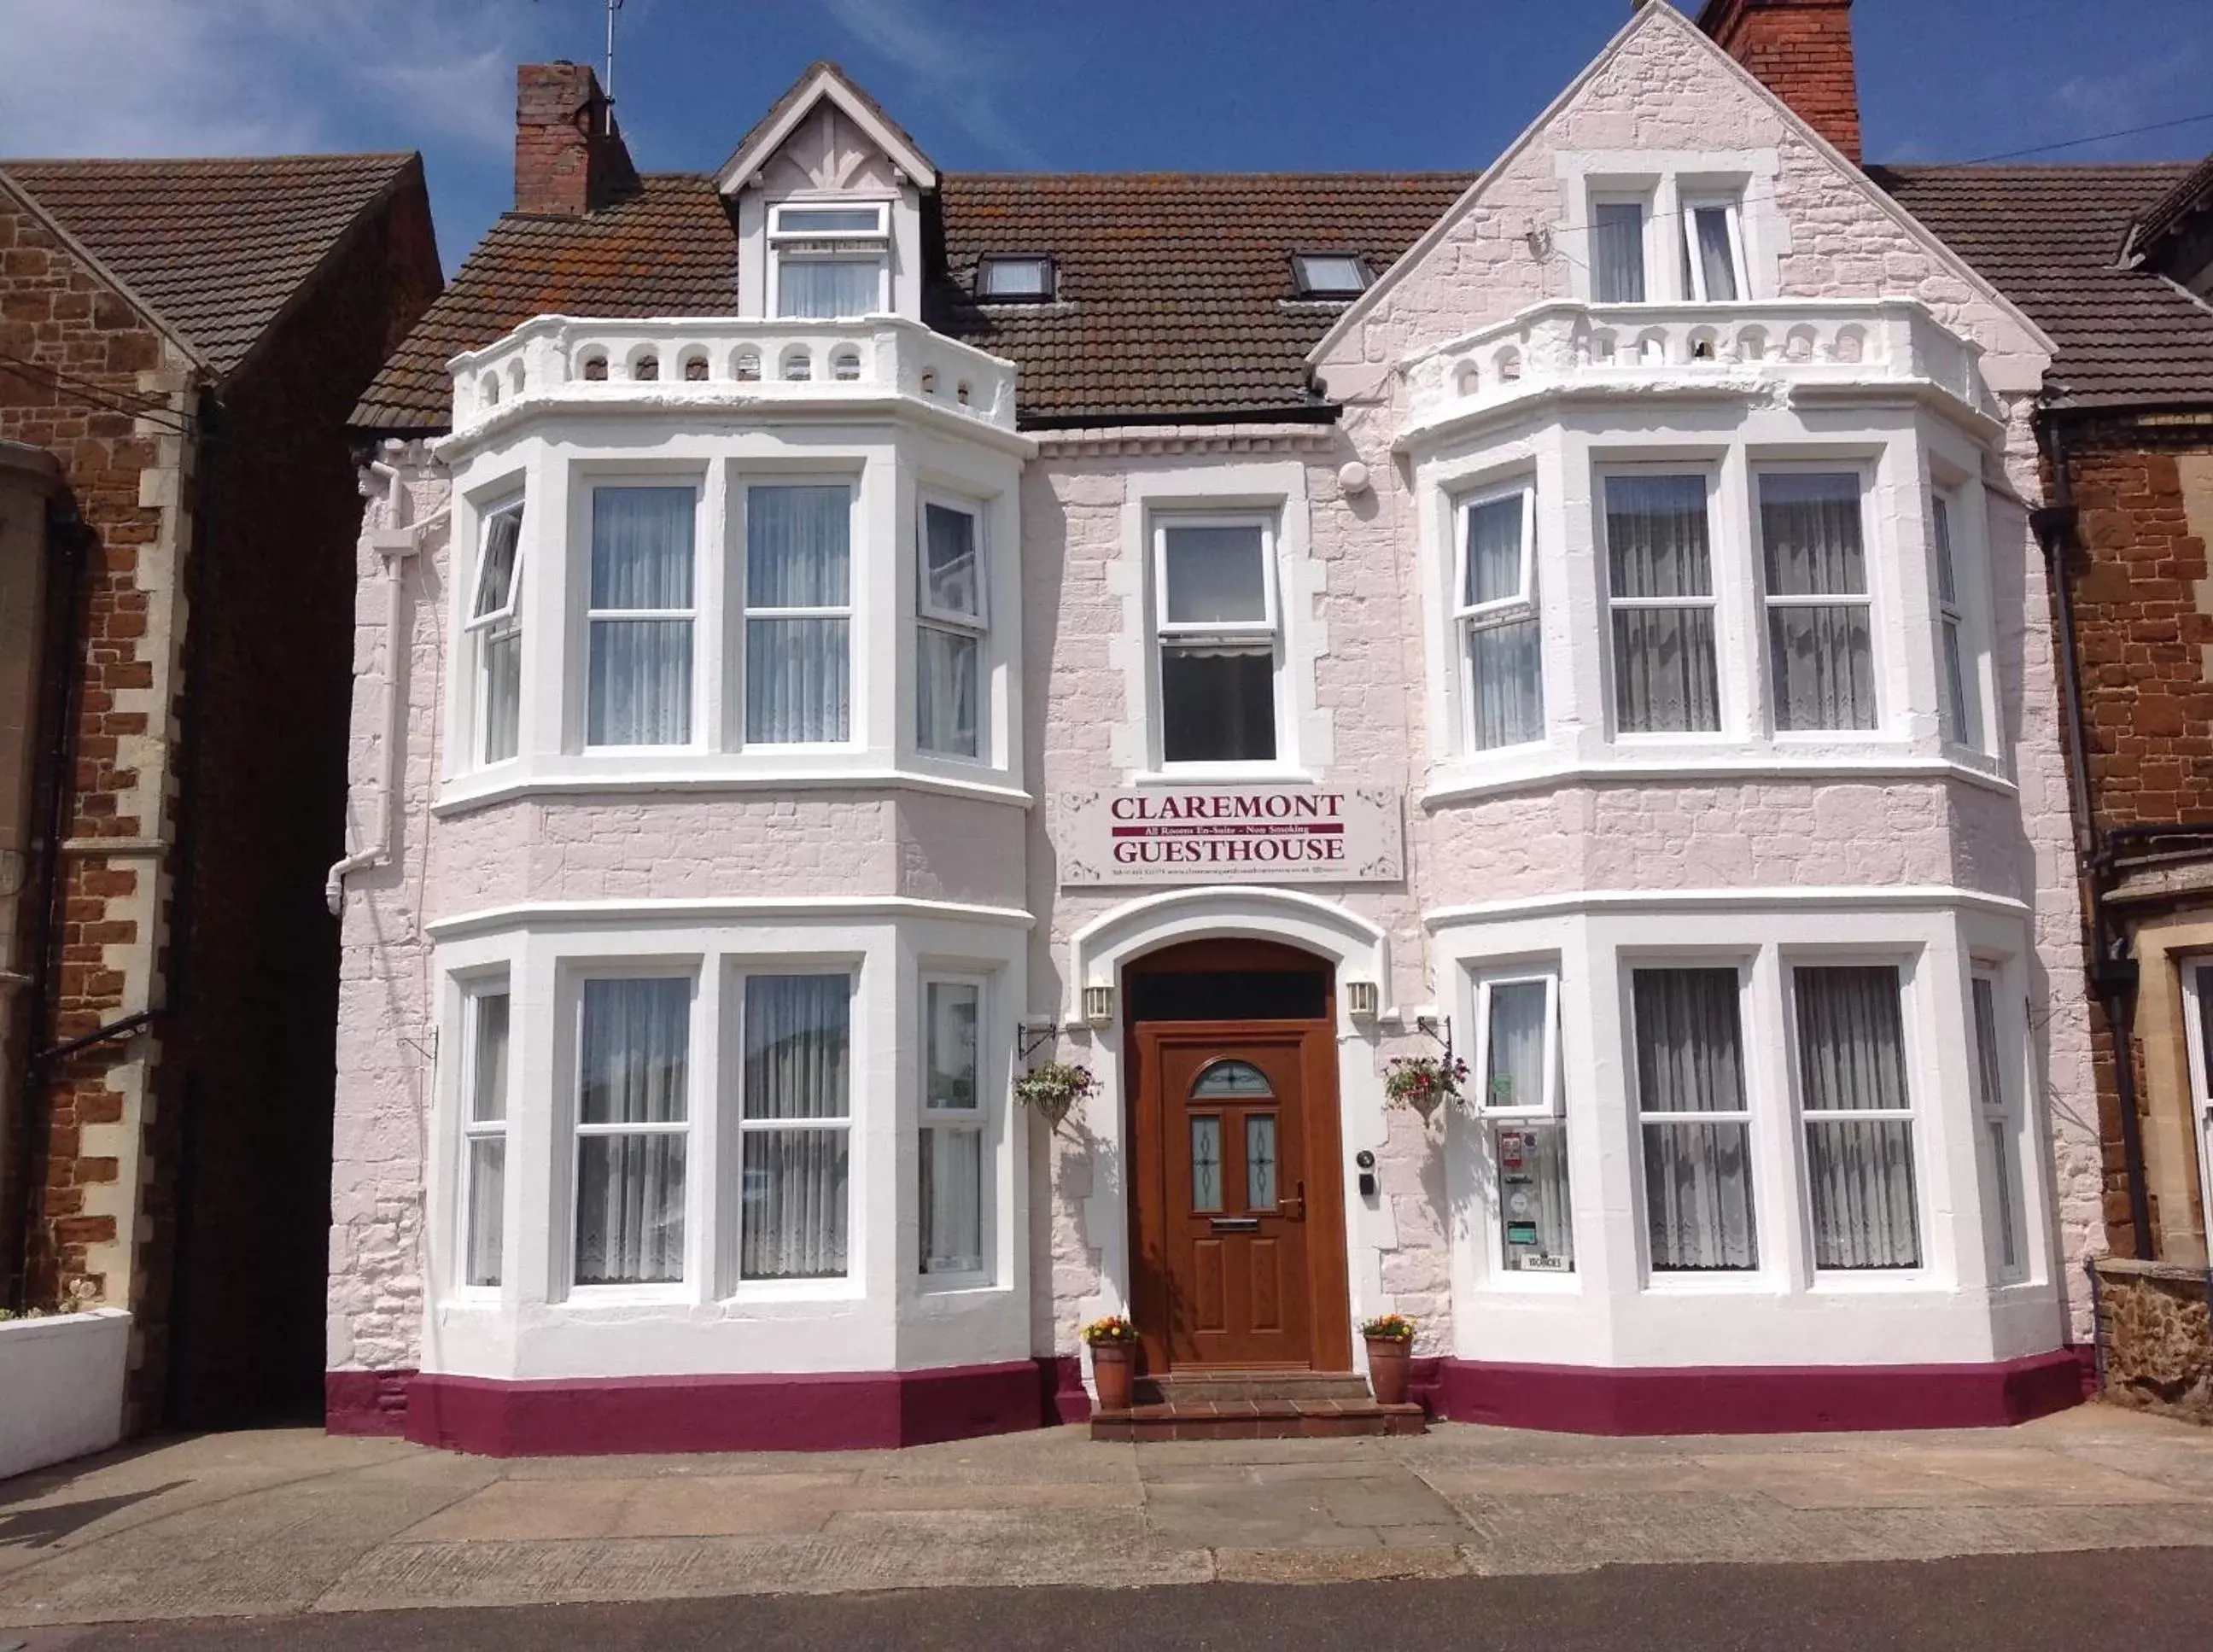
<point x="1230" y="834"/>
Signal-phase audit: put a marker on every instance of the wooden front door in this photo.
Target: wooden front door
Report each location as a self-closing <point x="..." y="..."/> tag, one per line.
<point x="1238" y="1198"/>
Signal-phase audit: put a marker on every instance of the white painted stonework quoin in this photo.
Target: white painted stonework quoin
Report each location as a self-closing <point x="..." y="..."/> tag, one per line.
<point x="61" y="1387"/>
<point x="1438" y="852"/>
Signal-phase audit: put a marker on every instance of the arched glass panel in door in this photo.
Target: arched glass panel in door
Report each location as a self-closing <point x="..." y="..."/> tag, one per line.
<point x="1232" y="1081"/>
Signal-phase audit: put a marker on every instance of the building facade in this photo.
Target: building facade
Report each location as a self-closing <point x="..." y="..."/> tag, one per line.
<point x="181" y="342"/>
<point x="835" y="636"/>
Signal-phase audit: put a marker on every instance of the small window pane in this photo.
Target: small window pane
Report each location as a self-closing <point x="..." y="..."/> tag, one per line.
<point x="1998" y="1127"/>
<point x="946" y="694"/>
<point x="487" y="1182"/>
<point x="642" y="548"/>
<point x="496" y="573"/>
<point x="1260" y="1161"/>
<point x="1947" y="581"/>
<point x="1014" y="277"/>
<point x="1217" y="576"/>
<point x="795" y="1184"/>
<point x="638" y="690"/>
<point x="821" y="288"/>
<point x="488" y="1071"/>
<point x="950" y="1012"/>
<point x="1656" y="537"/>
<point x="634" y="1053"/>
<point x="629" y="1210"/>
<point x="1536" y="1221"/>
<point x="951" y="583"/>
<point x="1821" y="664"/>
<point x="1698" y="1174"/>
<point x="829" y="220"/>
<point x="797" y="1034"/>
<point x="1515" y="1075"/>
<point x="1505" y="665"/>
<point x="798" y="546"/>
<point x="1206" y="1163"/>
<point x="1331" y="275"/>
<point x="951" y="1201"/>
<point x="503" y="692"/>
<point x="797" y="677"/>
<point x="1852" y="1058"/>
<point x="1494" y="551"/>
<point x="1217" y="705"/>
<point x="1716" y="256"/>
<point x="1618" y="253"/>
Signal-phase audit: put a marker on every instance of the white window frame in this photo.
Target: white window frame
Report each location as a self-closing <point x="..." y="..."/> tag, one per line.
<point x="740" y="1126"/>
<point x="1646" y="202"/>
<point x="847" y="245"/>
<point x="1717" y="570"/>
<point x="2196" y="988"/>
<point x="1959" y="669"/>
<point x="1469" y="617"/>
<point x="1549" y="1105"/>
<point x="694" y="720"/>
<point x="1304" y="285"/>
<point x="501" y="624"/>
<point x="977" y="626"/>
<point x="978" y="1121"/>
<point x="1266" y="632"/>
<point x="747" y="612"/>
<point x="1769" y="601"/>
<point x="1902" y="966"/>
<point x="474" y="1130"/>
<point x="581" y="971"/>
<point x="1745" y="968"/>
<point x="1049" y="288"/>
<point x="1998" y="1114"/>
<point x="1694" y="287"/>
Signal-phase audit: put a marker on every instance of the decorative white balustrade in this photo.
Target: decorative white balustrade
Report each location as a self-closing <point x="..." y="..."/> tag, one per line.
<point x="1647" y="348"/>
<point x="718" y="362"/>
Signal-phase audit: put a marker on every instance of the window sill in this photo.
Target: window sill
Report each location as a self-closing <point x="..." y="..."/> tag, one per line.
<point x="464" y="793"/>
<point x="1538" y="1285"/>
<point x="936" y="1285"/>
<point x="1526" y="768"/>
<point x="795" y="1293"/>
<point x="1751" y="1282"/>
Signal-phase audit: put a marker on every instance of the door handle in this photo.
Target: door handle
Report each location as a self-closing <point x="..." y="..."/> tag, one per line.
<point x="1294" y="1209"/>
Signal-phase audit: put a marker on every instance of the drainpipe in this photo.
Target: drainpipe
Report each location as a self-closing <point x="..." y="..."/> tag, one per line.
<point x="398" y="542"/>
<point x="2113" y="971"/>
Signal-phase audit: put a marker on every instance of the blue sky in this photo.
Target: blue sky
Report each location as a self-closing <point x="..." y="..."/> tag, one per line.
<point x="1021" y="84"/>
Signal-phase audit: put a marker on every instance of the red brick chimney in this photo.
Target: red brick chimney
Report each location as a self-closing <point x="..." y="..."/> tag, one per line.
<point x="1802" y="50"/>
<point x="570" y="157"/>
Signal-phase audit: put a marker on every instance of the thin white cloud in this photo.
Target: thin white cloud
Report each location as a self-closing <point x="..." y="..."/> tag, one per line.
<point x="955" y="69"/>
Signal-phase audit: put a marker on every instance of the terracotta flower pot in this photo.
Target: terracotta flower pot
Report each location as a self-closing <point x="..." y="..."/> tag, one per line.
<point x="1387" y="1368"/>
<point x="1112" y="1365"/>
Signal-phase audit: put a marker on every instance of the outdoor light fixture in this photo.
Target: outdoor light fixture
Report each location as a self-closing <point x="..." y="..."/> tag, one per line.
<point x="1360" y="1000"/>
<point x="1098" y="1005"/>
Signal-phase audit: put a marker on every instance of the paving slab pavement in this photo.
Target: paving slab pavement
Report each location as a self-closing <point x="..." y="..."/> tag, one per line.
<point x="292" y="1521"/>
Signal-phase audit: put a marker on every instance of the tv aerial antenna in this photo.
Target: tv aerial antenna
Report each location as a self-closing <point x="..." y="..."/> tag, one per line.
<point x="607" y="82"/>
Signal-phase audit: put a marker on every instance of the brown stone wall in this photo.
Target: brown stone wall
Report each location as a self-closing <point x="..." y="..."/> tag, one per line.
<point x="2156" y="1337"/>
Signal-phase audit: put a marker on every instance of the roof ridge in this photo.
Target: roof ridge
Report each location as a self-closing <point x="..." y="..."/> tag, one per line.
<point x="390" y="156"/>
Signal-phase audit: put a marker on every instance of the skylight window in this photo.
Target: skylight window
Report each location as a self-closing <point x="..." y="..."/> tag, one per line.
<point x="1017" y="279"/>
<point x="1329" y="275"/>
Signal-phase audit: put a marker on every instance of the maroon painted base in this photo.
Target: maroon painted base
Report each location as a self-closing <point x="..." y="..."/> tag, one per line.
<point x="1755" y="1399"/>
<point x="1066" y="1400"/>
<point x="373" y="1403"/>
<point x="769" y="1412"/>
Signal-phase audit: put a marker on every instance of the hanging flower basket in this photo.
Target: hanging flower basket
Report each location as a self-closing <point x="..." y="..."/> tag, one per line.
<point x="1051" y="1090"/>
<point x="1423" y="1082"/>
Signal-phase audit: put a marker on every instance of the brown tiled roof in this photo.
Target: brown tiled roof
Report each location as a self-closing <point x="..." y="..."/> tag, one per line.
<point x="1175" y="293"/>
<point x="1173" y="290"/>
<point x="2050" y="238"/>
<point x="214" y="247"/>
<point x="672" y="249"/>
<point x="2168" y="211"/>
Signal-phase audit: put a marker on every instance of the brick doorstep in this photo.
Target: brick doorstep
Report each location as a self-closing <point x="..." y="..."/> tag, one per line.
<point x="1256" y="1419"/>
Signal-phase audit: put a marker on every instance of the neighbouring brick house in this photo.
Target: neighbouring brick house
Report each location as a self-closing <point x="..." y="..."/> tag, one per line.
<point x="2114" y="262"/>
<point x="180" y="344"/>
<point x="835" y="634"/>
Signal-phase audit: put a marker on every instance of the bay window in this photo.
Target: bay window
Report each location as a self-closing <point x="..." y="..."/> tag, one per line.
<point x="496" y="629"/>
<point x="949" y="631"/>
<point x="1518" y="1057"/>
<point x="798" y="613"/>
<point x="795" y="1125"/>
<point x="1617" y="266"/>
<point x="1994" y="1112"/>
<point x="1819" y="610"/>
<point x="952" y="1129"/>
<point x="1713" y="252"/>
<point x="633" y="1121"/>
<point x="1695" y="1120"/>
<point x="1962" y="723"/>
<point x="640" y="617"/>
<point x="1216" y="628"/>
<point x="486" y="1036"/>
<point x="1858" y="1116"/>
<point x="830" y="260"/>
<point x="1659" y="596"/>
<point x="1499" y="620"/>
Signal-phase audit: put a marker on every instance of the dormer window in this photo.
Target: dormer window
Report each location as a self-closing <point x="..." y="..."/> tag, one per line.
<point x="1014" y="278"/>
<point x="828" y="260"/>
<point x="1329" y="275"/>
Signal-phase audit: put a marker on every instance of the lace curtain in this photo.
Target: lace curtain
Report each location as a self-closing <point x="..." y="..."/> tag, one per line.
<point x="1698" y="1173"/>
<point x="639" y="689"/>
<point x="1618" y="253"/>
<point x="1820" y="653"/>
<point x="823" y="288"/>
<point x="1504" y="664"/>
<point x="797" y="1112"/>
<point x="798" y="556"/>
<point x="1660" y="578"/>
<point x="634" y="1061"/>
<point x="1852" y="1061"/>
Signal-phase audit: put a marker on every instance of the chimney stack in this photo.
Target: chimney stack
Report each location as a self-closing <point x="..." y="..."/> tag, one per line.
<point x="570" y="157"/>
<point x="1802" y="50"/>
